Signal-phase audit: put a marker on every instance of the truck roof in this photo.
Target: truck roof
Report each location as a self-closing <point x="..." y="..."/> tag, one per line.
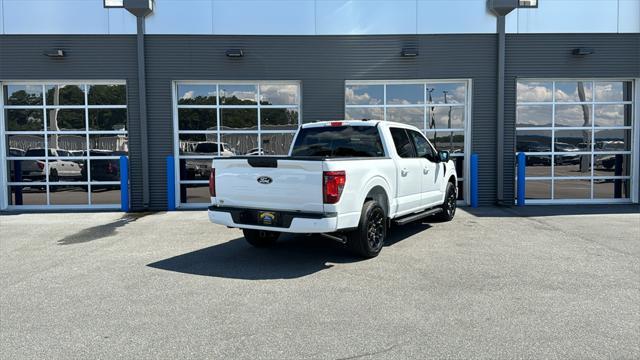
<point x="353" y="123"/>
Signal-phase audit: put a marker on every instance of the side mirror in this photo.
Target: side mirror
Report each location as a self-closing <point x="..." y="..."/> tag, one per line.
<point x="443" y="156"/>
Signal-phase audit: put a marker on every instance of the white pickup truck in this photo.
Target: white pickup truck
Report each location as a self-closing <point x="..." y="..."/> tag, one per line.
<point x="348" y="180"/>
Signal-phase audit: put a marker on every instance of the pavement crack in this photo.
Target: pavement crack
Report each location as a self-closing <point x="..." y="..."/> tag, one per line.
<point x="382" y="351"/>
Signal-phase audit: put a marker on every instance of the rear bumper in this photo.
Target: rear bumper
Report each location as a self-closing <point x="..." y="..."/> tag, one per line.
<point x="291" y="222"/>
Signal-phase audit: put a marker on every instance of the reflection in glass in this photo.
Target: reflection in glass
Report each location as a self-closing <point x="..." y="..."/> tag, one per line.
<point x="452" y="141"/>
<point x="407" y="115"/>
<point x="445" y="117"/>
<point x="574" y="91"/>
<point x="195" y="169"/>
<point x="27" y="195"/>
<point x="572" y="189"/>
<point x="202" y="144"/>
<point x="240" y="144"/>
<point x="65" y="170"/>
<point x="613" y="91"/>
<point x="537" y="189"/>
<point x="63" y="144"/>
<point x="107" y="95"/>
<point x="68" y="195"/>
<point x="573" y="115"/>
<point x="105" y="194"/>
<point x="23" y="120"/>
<point x="23" y="95"/>
<point x="533" y="140"/>
<point x="194" y="193"/>
<point x="65" y="120"/>
<point x="238" y="119"/>
<point x="538" y="165"/>
<point x="446" y="93"/>
<point x="109" y="144"/>
<point x="25" y="143"/>
<point x="534" y="115"/>
<point x="278" y="94"/>
<point x="405" y="94"/>
<point x="572" y="165"/>
<point x="65" y="95"/>
<point x="238" y="94"/>
<point x="534" y="91"/>
<point x="104" y="169"/>
<point x="26" y="170"/>
<point x="461" y="190"/>
<point x="191" y="94"/>
<point x="108" y="119"/>
<point x="612" y="165"/>
<point x="611" y="189"/>
<point x="572" y="140"/>
<point x="612" y="140"/>
<point x="364" y="94"/>
<point x="276" y="144"/>
<point x="374" y="113"/>
<point x="197" y="119"/>
<point x="613" y="115"/>
<point x="279" y="119"/>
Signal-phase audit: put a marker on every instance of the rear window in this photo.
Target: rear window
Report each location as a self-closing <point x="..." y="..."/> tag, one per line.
<point x="339" y="141"/>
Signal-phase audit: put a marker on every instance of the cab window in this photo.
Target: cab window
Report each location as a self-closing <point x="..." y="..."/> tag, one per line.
<point x="423" y="148"/>
<point x="403" y="144"/>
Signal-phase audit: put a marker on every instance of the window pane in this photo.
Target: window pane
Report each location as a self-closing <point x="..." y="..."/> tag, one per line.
<point x="537" y="189"/>
<point x="65" y="170"/>
<point x="23" y="95"/>
<point x="195" y="169"/>
<point x="573" y="115"/>
<point x="240" y="144"/>
<point x="108" y="119"/>
<point x="238" y="94"/>
<point x="279" y="119"/>
<point x="612" y="140"/>
<point x="65" y="95"/>
<point x="446" y="93"/>
<point x="66" y="120"/>
<point x="27" y="195"/>
<point x="572" y="165"/>
<point x="196" y="94"/>
<point x="445" y="117"/>
<point x="68" y="195"/>
<point x="452" y="141"/>
<point x="612" y="165"/>
<point x="461" y="190"/>
<point x="538" y="165"/>
<point x="575" y="91"/>
<point x="107" y="95"/>
<point x="197" y="119"/>
<point x="27" y="143"/>
<point x="611" y="189"/>
<point x="403" y="145"/>
<point x="376" y="113"/>
<point x="65" y="143"/>
<point x="104" y="169"/>
<point x="194" y="193"/>
<point x="105" y="194"/>
<point x="534" y="115"/>
<point x="24" y="120"/>
<point x="572" y="140"/>
<point x="279" y="94"/>
<point x="534" y="91"/>
<point x="109" y="145"/>
<point x="339" y="141"/>
<point x="364" y="95"/>
<point x="276" y="144"/>
<point x="201" y="144"/>
<point x="613" y="115"/>
<point x="26" y="170"/>
<point x="533" y="140"/>
<point x="411" y="116"/>
<point x="613" y="91"/>
<point x="572" y="189"/>
<point x="423" y="149"/>
<point x="239" y="119"/>
<point x="404" y="94"/>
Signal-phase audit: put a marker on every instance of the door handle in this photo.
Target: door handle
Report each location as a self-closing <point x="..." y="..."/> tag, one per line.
<point x="425" y="171"/>
<point x="404" y="172"/>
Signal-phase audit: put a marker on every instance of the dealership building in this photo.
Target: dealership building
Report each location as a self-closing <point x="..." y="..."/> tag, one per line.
<point x="169" y="84"/>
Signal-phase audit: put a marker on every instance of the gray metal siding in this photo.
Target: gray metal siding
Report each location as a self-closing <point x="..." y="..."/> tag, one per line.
<point x="87" y="58"/>
<point x="322" y="64"/>
<point x="549" y="56"/>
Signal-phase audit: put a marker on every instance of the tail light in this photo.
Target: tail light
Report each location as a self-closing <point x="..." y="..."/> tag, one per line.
<point x="212" y="182"/>
<point x="332" y="186"/>
<point x="40" y="165"/>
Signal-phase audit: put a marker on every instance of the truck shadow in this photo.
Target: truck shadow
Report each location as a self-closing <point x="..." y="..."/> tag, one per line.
<point x="292" y="257"/>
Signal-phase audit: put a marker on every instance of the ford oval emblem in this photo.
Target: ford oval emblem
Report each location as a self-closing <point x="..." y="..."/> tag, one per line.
<point x="265" y="180"/>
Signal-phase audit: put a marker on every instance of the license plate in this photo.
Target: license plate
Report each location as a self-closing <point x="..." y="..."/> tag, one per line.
<point x="267" y="217"/>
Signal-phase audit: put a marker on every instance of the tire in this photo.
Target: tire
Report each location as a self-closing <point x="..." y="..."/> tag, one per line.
<point x="450" y="204"/>
<point x="260" y="238"/>
<point x="368" y="239"/>
<point x="53" y="176"/>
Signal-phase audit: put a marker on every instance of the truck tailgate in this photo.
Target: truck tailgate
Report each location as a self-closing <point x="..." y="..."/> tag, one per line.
<point x="269" y="183"/>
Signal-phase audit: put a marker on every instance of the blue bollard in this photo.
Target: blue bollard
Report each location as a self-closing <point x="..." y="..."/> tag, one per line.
<point x="474" y="180"/>
<point x="522" y="163"/>
<point x="124" y="183"/>
<point x="171" y="184"/>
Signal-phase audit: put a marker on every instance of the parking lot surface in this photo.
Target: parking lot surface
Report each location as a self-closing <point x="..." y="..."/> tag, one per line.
<point x="494" y="283"/>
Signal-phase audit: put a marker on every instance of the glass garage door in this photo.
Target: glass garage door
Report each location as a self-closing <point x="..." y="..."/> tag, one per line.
<point x="577" y="136"/>
<point x="229" y="118"/>
<point x="62" y="143"/>
<point x="440" y="108"/>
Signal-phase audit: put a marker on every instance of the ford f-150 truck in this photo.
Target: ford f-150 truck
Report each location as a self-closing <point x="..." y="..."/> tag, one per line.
<point x="348" y="180"/>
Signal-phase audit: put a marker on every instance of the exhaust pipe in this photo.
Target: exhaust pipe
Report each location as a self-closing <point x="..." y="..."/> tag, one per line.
<point x="342" y="239"/>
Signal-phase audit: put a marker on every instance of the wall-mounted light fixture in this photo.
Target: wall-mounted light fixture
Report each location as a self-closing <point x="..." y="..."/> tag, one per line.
<point x="409" y="52"/>
<point x="234" y="53"/>
<point x="582" y="51"/>
<point x="56" y="53"/>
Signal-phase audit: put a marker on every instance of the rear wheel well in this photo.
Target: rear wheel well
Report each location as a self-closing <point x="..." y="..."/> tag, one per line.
<point x="452" y="179"/>
<point x="378" y="194"/>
